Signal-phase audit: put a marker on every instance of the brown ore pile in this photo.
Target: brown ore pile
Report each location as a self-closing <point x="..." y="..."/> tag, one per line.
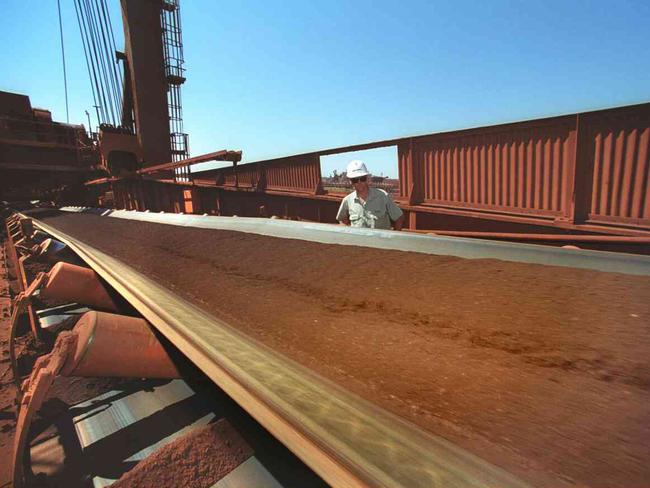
<point x="196" y="460"/>
<point x="541" y="370"/>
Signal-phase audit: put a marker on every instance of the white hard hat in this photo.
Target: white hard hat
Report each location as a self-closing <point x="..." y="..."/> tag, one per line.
<point x="356" y="169"/>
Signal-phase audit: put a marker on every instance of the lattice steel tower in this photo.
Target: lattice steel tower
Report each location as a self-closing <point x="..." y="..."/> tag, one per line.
<point x="170" y="21"/>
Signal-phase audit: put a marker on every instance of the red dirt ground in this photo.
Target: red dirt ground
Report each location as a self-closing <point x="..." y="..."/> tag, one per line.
<point x="541" y="370"/>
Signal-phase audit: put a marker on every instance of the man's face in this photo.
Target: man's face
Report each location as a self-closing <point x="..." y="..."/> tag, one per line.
<point x="360" y="184"/>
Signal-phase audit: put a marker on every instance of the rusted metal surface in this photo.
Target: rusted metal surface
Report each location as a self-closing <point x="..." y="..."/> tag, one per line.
<point x="523" y="168"/>
<point x="148" y="86"/>
<point x="299" y="174"/>
<point x="14" y="234"/>
<point x="642" y="241"/>
<point x="45" y="168"/>
<point x="34" y="393"/>
<point x="39" y="156"/>
<point x="247" y="176"/>
<point x="70" y="283"/>
<point x="100" y="181"/>
<point x="25" y="128"/>
<point x="100" y="344"/>
<point x="118" y="346"/>
<point x="576" y="169"/>
<point x="619" y="153"/>
<point x="191" y="202"/>
<point x="224" y="155"/>
<point x="576" y="173"/>
<point x="119" y="151"/>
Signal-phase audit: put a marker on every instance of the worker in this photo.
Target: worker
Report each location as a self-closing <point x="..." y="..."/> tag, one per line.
<point x="367" y="206"/>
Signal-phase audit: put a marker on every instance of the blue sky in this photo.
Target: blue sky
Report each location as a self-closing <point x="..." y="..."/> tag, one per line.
<point x="278" y="78"/>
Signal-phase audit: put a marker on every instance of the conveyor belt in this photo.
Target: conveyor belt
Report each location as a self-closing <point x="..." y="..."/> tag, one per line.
<point x="461" y="247"/>
<point x="346" y="440"/>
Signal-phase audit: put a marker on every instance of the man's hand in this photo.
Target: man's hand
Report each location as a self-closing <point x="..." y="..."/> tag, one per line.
<point x="397" y="225"/>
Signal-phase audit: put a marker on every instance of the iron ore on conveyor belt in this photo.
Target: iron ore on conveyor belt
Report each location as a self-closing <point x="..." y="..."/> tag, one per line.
<point x="444" y="370"/>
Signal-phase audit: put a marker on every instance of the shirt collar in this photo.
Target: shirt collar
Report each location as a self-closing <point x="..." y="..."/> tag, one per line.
<point x="371" y="194"/>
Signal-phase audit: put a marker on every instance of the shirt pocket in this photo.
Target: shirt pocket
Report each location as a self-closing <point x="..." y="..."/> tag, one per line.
<point x="379" y="213"/>
<point x="355" y="212"/>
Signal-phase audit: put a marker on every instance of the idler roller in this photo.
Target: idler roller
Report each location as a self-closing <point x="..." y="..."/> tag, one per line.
<point x="66" y="283"/>
<point x="101" y="344"/>
<point x="117" y="345"/>
<point x="69" y="283"/>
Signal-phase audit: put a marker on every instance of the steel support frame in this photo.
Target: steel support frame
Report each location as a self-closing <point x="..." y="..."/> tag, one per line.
<point x="296" y="177"/>
<point x="17" y="263"/>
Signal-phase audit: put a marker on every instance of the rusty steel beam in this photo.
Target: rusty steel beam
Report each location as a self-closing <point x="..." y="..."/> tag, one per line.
<point x="556" y="168"/>
<point x="72" y="146"/>
<point x="144" y="51"/>
<point x="224" y="155"/>
<point x="553" y="172"/>
<point x="516" y="236"/>
<point x="453" y="133"/>
<point x="100" y="181"/>
<point x="419" y="215"/>
<point x="45" y="167"/>
<point x="13" y="235"/>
